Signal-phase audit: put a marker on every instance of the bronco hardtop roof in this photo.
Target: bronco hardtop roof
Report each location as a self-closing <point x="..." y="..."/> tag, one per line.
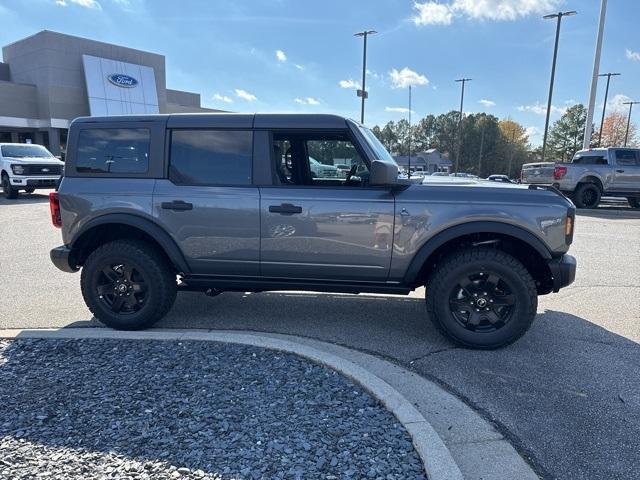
<point x="229" y="120"/>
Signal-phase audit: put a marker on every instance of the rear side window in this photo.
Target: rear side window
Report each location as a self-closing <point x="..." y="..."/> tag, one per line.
<point x="113" y="150"/>
<point x="626" y="157"/>
<point x="211" y="157"/>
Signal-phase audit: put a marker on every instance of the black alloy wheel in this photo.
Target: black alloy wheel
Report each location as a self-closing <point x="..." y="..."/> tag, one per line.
<point x="482" y="302"/>
<point x="122" y="288"/>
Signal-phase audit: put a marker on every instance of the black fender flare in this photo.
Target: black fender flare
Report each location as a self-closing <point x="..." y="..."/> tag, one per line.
<point x="145" y="225"/>
<point x="461" y="230"/>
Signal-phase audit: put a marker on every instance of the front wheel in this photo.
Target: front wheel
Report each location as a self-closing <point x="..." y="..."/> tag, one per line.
<point x="8" y="191"/>
<point x="128" y="284"/>
<point x="481" y="298"/>
<point x="634" y="202"/>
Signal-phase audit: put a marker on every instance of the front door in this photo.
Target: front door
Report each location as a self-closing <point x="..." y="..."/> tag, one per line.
<point x="319" y="222"/>
<point x="208" y="204"/>
<point x="627" y="173"/>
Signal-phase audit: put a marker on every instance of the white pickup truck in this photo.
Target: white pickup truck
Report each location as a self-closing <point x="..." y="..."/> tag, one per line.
<point x="592" y="173"/>
<point x="24" y="166"/>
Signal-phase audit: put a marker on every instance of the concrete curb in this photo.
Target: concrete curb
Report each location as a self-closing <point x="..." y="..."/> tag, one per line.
<point x="452" y="440"/>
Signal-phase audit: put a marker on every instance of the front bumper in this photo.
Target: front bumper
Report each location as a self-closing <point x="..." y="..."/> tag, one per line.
<point x="62" y="259"/>
<point x="563" y="270"/>
<point x="34" y="182"/>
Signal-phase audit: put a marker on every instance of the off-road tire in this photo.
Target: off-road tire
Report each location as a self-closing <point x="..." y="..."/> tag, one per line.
<point x="486" y="261"/>
<point x="587" y="195"/>
<point x="8" y="191"/>
<point x="160" y="280"/>
<point x="634" y="202"/>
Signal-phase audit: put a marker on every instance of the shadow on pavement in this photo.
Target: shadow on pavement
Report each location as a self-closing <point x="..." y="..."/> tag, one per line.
<point x="613" y="213"/>
<point x="26" y="198"/>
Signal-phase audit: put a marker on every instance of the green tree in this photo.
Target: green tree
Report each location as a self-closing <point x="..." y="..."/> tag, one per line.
<point x="567" y="134"/>
<point x="424" y="134"/>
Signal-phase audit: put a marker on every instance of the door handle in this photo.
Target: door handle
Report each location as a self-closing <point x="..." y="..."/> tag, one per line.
<point x="285" y="209"/>
<point x="620" y="171"/>
<point x="177" y="205"/>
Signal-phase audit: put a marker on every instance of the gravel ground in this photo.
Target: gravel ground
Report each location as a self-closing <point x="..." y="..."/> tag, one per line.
<point x="149" y="410"/>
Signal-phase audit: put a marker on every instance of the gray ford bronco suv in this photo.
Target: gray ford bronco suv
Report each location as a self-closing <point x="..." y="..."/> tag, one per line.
<point x="153" y="204"/>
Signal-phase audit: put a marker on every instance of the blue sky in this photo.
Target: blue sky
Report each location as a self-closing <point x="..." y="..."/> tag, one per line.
<point x="301" y="56"/>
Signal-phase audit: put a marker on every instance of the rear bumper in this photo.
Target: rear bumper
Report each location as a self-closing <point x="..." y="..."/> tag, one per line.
<point x="563" y="270"/>
<point x="61" y="258"/>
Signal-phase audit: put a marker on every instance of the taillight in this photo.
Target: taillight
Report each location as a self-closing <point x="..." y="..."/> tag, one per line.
<point x="559" y="172"/>
<point x="54" y="207"/>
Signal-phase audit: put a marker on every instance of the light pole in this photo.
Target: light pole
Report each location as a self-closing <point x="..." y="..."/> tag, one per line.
<point x="626" y="135"/>
<point x="604" y="107"/>
<point x="459" y="143"/>
<point x="559" y="16"/>
<point x="410" y="136"/>
<point x="363" y="93"/>
<point x="586" y="141"/>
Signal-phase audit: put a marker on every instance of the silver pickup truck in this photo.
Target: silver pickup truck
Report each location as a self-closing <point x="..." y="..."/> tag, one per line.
<point x="593" y="173"/>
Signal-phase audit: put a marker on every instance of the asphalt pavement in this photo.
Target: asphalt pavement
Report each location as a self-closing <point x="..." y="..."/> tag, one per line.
<point x="567" y="394"/>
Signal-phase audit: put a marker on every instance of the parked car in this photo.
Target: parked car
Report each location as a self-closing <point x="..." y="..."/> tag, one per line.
<point x="322" y="170"/>
<point x="27" y="167"/>
<point x="215" y="210"/>
<point x="499" y="178"/>
<point x="343" y="169"/>
<point x="440" y="174"/>
<point x="592" y="173"/>
<point x="464" y="175"/>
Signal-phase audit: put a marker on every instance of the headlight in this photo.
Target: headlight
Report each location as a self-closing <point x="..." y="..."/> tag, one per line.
<point x="17" y="169"/>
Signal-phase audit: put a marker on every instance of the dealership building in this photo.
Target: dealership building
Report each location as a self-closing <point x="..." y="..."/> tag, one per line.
<point x="48" y="79"/>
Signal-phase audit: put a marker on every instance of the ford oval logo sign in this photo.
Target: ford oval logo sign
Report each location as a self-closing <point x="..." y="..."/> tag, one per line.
<point x="122" y="80"/>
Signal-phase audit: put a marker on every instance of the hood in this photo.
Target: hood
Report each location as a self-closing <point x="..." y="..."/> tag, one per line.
<point x="463" y="181"/>
<point x="35" y="160"/>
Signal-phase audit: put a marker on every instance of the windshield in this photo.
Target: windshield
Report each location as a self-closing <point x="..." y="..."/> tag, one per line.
<point x="376" y="145"/>
<point x="24" y="151"/>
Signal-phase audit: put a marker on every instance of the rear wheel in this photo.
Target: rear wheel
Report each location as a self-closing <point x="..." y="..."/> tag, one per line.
<point x="128" y="285"/>
<point x="29" y="190"/>
<point x="634" y="202"/>
<point x="587" y="195"/>
<point x="8" y="191"/>
<point x="482" y="298"/>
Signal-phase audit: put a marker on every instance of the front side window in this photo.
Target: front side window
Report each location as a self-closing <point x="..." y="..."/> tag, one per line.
<point x="626" y="157"/>
<point x="211" y="157"/>
<point x="113" y="150"/>
<point x="329" y="159"/>
<point x="25" y="151"/>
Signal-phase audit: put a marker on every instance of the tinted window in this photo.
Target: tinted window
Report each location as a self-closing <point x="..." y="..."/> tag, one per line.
<point x="590" y="160"/>
<point x="113" y="150"/>
<point x="210" y="157"/>
<point x="626" y="157"/>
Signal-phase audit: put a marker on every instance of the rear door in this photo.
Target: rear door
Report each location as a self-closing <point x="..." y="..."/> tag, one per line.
<point x="320" y="226"/>
<point x="208" y="203"/>
<point x="627" y="170"/>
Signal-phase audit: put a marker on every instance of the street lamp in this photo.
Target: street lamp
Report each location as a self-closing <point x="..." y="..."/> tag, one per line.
<point x="604" y="107"/>
<point x="626" y="135"/>
<point x="363" y="93"/>
<point x="459" y="145"/>
<point x="559" y="16"/>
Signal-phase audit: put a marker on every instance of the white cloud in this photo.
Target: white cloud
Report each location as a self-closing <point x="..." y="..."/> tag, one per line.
<point x="406" y="77"/>
<point x="249" y="97"/>
<point x="397" y="110"/>
<point x="307" y="101"/>
<point x="299" y="67"/>
<point x="435" y="13"/>
<point x="487" y="103"/>
<point x="616" y="103"/>
<point x="222" y="98"/>
<point x="349" y="84"/>
<point x="83" y="3"/>
<point x="432" y="13"/>
<point x="531" y="131"/>
<point x="631" y="55"/>
<point x="540" y="109"/>
<point x="281" y="56"/>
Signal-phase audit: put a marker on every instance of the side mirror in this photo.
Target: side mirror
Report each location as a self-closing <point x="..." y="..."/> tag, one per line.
<point x="383" y="173"/>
